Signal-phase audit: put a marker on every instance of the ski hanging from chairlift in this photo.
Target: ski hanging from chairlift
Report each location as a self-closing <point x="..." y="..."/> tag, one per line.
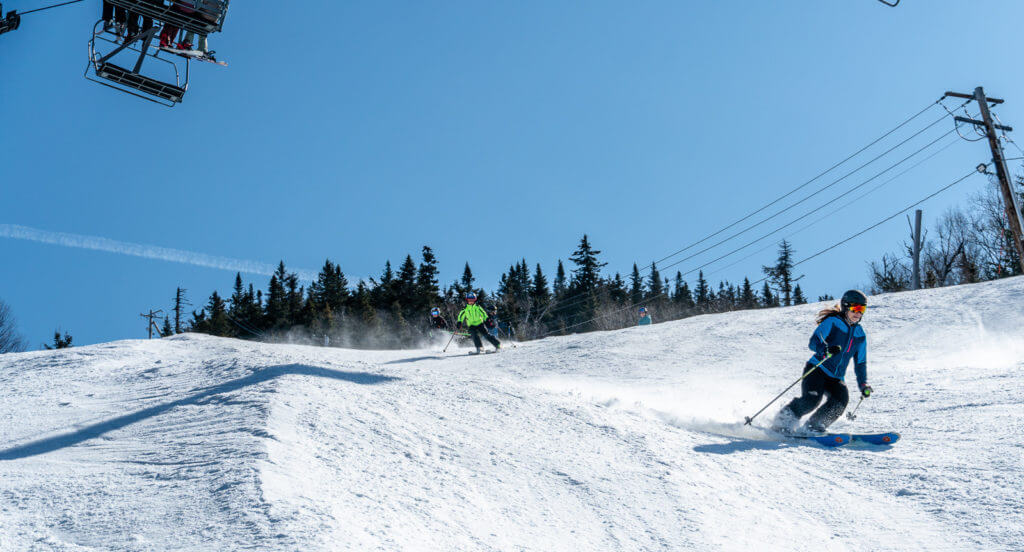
<point x="120" y="48"/>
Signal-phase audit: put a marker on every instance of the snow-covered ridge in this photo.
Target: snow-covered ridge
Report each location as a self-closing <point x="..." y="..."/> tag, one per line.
<point x="628" y="440"/>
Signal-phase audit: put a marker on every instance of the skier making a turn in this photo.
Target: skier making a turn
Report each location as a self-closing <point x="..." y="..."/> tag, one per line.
<point x="838" y="339"/>
<point x="472" y="318"/>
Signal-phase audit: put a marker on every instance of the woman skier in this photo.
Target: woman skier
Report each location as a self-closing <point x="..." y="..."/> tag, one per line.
<point x="838" y="339"/>
<point x="472" y="318"/>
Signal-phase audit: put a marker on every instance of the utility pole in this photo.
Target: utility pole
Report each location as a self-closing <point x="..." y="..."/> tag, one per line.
<point x="152" y="323"/>
<point x="917" y="250"/>
<point x="1009" y="198"/>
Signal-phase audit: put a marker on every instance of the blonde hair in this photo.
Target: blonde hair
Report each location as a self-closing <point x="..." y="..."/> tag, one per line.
<point x="836" y="310"/>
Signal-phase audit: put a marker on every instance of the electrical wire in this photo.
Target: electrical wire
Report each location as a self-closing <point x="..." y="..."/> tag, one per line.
<point x="802" y="217"/>
<point x="805" y="184"/>
<point x="577" y="300"/>
<point x="50" y="7"/>
<point x="883" y="221"/>
<point x="833" y="246"/>
<point x="840" y="208"/>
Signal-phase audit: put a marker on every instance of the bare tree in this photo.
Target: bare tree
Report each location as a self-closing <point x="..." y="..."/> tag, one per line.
<point x="892" y="274"/>
<point x="939" y="257"/>
<point x="10" y="340"/>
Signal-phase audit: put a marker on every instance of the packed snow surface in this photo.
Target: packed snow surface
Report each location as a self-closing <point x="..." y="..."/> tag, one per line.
<point x="625" y="440"/>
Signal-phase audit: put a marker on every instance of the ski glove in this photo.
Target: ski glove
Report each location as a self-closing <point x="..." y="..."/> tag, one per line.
<point x="865" y="391"/>
<point x="834" y="350"/>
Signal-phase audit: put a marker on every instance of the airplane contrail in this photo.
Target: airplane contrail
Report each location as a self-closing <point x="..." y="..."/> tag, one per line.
<point x="147" y="251"/>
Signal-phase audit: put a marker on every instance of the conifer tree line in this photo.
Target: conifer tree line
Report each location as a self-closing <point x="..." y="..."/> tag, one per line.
<point x="392" y="310"/>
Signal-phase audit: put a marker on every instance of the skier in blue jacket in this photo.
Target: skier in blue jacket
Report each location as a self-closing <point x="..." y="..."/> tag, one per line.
<point x="645" y="317"/>
<point x="838" y="339"/>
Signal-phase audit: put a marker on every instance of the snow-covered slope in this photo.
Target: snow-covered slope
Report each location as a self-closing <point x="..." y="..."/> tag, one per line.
<point x="627" y="440"/>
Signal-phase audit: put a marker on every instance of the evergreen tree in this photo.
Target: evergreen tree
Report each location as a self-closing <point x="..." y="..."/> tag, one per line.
<point x="768" y="299"/>
<point x="781" y="274"/>
<point x="560" y="284"/>
<point x="617" y="291"/>
<point x="798" y="296"/>
<point x="539" y="294"/>
<point x="427" y="286"/>
<point x="636" y="288"/>
<point x="656" y="287"/>
<point x="466" y="283"/>
<point x="60" y="341"/>
<point x="406" y="289"/>
<point x="702" y="295"/>
<point x="587" y="273"/>
<point x="682" y="296"/>
<point x="166" y="330"/>
<point x="276" y="312"/>
<point x="747" y="299"/>
<point x="216" y="322"/>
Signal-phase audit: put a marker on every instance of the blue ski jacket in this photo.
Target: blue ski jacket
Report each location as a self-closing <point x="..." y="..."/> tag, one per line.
<point x="835" y="331"/>
<point x="645" y="320"/>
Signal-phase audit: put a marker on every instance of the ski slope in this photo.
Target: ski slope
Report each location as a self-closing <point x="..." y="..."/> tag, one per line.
<point x="625" y="440"/>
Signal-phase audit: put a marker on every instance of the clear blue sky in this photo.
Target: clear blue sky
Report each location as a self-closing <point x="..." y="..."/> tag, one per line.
<point x="361" y="131"/>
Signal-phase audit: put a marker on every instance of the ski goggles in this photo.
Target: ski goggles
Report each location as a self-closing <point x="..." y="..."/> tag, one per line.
<point x="858" y="308"/>
<point x="435" y="312"/>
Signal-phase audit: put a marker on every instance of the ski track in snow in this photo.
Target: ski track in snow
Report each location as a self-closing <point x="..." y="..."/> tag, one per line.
<point x="625" y="440"/>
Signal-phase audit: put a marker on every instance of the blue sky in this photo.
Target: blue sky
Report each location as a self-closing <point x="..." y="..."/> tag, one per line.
<point x="361" y="131"/>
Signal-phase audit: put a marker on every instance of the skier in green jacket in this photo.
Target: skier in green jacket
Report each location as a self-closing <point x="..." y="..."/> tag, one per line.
<point x="472" y="318"/>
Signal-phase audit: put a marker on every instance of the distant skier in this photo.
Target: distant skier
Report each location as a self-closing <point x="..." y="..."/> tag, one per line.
<point x="839" y="334"/>
<point x="437" y="321"/>
<point x="645" y="317"/>
<point x="472" y="318"/>
<point x="492" y="320"/>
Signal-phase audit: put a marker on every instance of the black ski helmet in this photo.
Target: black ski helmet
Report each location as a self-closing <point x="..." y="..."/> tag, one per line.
<point x="853" y="297"/>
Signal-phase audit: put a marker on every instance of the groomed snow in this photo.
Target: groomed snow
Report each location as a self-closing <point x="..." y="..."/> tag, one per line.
<point x="625" y="440"/>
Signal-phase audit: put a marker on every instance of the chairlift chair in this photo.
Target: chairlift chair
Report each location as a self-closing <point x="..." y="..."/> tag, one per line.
<point x="201" y="17"/>
<point x="133" y="81"/>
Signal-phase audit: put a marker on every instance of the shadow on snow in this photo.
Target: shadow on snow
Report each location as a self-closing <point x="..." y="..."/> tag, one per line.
<point x="50" y="444"/>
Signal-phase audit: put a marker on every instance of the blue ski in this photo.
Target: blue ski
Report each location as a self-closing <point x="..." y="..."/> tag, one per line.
<point x="827" y="440"/>
<point x="877" y="438"/>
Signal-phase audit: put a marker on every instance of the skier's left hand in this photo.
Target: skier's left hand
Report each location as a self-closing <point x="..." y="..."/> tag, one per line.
<point x="866" y="391"/>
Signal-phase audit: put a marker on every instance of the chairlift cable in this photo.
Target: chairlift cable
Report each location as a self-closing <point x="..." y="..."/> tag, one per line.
<point x="50" y="7"/>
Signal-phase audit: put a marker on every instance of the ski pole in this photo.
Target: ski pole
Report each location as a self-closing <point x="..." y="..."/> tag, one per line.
<point x="449" y="342"/>
<point x="807" y="373"/>
<point x="853" y="415"/>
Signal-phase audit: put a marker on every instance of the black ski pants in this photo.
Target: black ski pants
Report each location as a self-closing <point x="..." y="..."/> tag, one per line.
<point x="812" y="389"/>
<point x="477" y="331"/>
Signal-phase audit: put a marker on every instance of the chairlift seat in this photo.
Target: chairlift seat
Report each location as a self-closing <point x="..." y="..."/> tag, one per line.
<point x="139" y="82"/>
<point x="163" y="11"/>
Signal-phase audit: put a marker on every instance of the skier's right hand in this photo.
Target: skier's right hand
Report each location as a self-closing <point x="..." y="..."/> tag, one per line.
<point x="834" y="350"/>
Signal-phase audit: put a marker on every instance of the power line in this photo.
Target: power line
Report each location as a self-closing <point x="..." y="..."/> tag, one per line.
<point x="649" y="268"/>
<point x="819" y="175"/>
<point x="873" y="226"/>
<point x="798" y="219"/>
<point x="841" y="207"/>
<point x="885" y="220"/>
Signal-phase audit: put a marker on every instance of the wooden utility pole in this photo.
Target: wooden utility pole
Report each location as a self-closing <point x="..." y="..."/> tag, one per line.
<point x="917" y="250"/>
<point x="152" y="323"/>
<point x="1010" y="203"/>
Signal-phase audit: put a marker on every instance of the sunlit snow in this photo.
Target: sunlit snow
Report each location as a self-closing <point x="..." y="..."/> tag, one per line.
<point x="625" y="440"/>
